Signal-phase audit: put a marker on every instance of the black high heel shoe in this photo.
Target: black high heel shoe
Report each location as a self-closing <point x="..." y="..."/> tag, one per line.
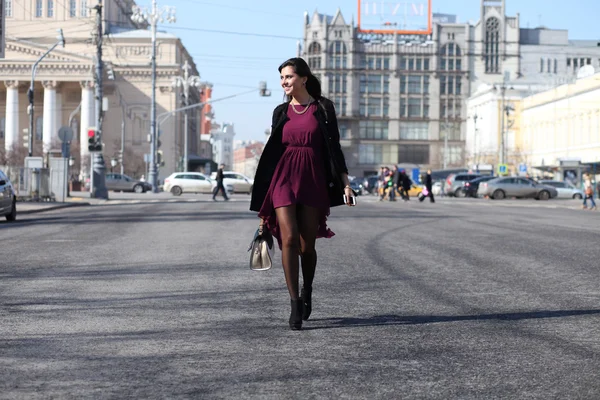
<point x="307" y="300"/>
<point x="296" y="315"/>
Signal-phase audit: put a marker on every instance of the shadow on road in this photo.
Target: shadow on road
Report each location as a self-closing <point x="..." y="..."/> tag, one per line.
<point x="378" y="320"/>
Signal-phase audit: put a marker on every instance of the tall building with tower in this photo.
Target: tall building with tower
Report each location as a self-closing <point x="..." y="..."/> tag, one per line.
<point x="401" y="77"/>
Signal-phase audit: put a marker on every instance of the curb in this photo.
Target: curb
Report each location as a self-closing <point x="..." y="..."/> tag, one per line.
<point x="51" y="208"/>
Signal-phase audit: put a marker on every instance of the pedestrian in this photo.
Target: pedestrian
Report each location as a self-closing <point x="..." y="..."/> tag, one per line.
<point x="394" y="182"/>
<point x="588" y="192"/>
<point x="428" y="187"/>
<point x="220" y="186"/>
<point x="301" y="174"/>
<point x="406" y="185"/>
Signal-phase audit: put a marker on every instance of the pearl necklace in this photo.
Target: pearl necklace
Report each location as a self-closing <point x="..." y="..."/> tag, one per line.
<point x="305" y="110"/>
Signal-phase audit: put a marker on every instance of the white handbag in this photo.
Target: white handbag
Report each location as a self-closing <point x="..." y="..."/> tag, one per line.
<point x="261" y="250"/>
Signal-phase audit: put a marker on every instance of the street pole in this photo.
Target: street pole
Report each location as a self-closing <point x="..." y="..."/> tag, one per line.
<point x="503" y="91"/>
<point x="446" y="126"/>
<point x="475" y="141"/>
<point x="99" y="168"/>
<point x="30" y="109"/>
<point x="186" y="81"/>
<point x="153" y="17"/>
<point x="122" y="144"/>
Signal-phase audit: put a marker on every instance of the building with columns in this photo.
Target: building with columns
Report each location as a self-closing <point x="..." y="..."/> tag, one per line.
<point x="64" y="84"/>
<point x="399" y="97"/>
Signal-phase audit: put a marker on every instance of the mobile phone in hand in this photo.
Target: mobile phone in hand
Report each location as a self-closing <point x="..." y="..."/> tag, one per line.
<point x="352" y="200"/>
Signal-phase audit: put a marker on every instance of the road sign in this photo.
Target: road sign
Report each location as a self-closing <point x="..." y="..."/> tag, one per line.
<point x="147" y="158"/>
<point x="522" y="169"/>
<point x="416" y="175"/>
<point x="502" y="169"/>
<point x="65" y="134"/>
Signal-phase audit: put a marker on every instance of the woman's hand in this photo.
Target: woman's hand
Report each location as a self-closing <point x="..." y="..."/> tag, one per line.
<point x="349" y="193"/>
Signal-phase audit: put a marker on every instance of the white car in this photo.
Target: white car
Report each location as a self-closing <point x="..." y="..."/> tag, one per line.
<point x="188" y="182"/>
<point x="239" y="182"/>
<point x="564" y="189"/>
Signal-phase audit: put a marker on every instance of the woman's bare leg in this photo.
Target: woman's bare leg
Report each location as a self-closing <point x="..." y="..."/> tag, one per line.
<point x="290" y="243"/>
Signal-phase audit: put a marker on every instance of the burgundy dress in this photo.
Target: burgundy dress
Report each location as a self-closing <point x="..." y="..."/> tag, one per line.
<point x="299" y="177"/>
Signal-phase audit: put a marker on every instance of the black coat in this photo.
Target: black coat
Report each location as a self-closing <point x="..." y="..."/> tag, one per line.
<point x="335" y="163"/>
<point x="428" y="183"/>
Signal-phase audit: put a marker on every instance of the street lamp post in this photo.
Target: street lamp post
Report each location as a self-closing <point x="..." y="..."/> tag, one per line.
<point x="61" y="41"/>
<point x="113" y="164"/>
<point x="186" y="81"/>
<point x="152" y="17"/>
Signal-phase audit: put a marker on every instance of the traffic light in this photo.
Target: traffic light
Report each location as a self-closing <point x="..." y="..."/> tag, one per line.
<point x="94" y="144"/>
<point x="159" y="158"/>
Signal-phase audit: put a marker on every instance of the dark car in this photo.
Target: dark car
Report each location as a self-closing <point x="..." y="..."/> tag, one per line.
<point x="470" y="187"/>
<point x="455" y="183"/>
<point x="8" y="198"/>
<point x="370" y="184"/>
<point x="357" y="186"/>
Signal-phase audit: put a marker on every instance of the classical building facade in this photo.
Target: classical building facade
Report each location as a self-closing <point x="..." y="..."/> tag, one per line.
<point x="64" y="83"/>
<point x="398" y="98"/>
<point x="561" y="128"/>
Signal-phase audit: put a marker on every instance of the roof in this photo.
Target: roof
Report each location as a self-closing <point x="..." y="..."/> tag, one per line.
<point x="143" y="34"/>
<point x="584" y="43"/>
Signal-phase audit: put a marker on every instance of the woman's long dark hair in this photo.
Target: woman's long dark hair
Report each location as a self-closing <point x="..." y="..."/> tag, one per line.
<point x="301" y="68"/>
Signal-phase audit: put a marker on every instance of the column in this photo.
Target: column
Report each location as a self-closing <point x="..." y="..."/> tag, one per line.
<point x="88" y="119"/>
<point x="58" y="122"/>
<point x="49" y="114"/>
<point x="11" y="128"/>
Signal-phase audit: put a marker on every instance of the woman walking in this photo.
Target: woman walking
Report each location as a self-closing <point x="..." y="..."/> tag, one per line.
<point x="301" y="174"/>
<point x="588" y="193"/>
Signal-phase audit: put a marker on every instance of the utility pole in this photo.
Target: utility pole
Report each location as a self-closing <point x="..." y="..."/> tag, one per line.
<point x="186" y="82"/>
<point x="446" y="126"/>
<point x="153" y="17"/>
<point x="475" y="152"/>
<point x="502" y="110"/>
<point x="98" y="165"/>
<point x="30" y="109"/>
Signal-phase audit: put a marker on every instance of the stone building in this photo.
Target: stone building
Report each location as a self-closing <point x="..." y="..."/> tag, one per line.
<point x="64" y="83"/>
<point x="398" y="97"/>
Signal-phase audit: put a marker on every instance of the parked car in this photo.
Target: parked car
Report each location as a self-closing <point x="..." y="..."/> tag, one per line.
<point x="500" y="188"/>
<point x="357" y="186"/>
<point x="8" y="198"/>
<point x="471" y="187"/>
<point x="436" y="188"/>
<point x="239" y="182"/>
<point x="188" y="182"/>
<point x="370" y="184"/>
<point x="455" y="183"/>
<point x="564" y="189"/>
<point x="124" y="183"/>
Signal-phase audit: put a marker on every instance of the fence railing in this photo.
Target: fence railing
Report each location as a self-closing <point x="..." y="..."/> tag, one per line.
<point x="38" y="184"/>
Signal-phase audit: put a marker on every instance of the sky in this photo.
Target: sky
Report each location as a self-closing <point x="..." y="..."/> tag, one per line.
<point x="236" y="44"/>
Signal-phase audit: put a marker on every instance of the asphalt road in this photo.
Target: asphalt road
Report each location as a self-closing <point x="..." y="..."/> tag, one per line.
<point x="458" y="299"/>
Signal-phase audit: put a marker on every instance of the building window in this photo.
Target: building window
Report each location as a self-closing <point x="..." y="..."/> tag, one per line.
<point x="414" y="130"/>
<point x="568" y="62"/>
<point x="38" y="8"/>
<point x="414" y="107"/>
<point x="8" y="9"/>
<point x="414" y="84"/>
<point x="555" y="66"/>
<point x="450" y="57"/>
<point x="337" y="92"/>
<point x="450" y="107"/>
<point x="454" y="155"/>
<point x="413" y="153"/>
<point x="373" y="129"/>
<point x="314" y="56"/>
<point x="549" y="66"/>
<point x="408" y="63"/>
<point x="50" y="8"/>
<point x="345" y="131"/>
<point x="39" y="128"/>
<point x="492" y="46"/>
<point x="2" y="127"/>
<point x="338" y="55"/>
<point x="340" y="104"/>
<point x="541" y="65"/>
<point x="450" y="84"/>
<point x="369" y="154"/>
<point x="373" y="62"/>
<point x="374" y="100"/>
<point x="72" y="8"/>
<point x="83" y="10"/>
